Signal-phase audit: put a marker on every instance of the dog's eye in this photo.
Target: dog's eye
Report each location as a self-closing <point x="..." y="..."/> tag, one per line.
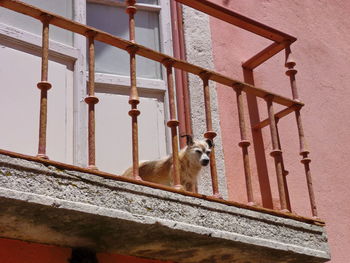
<point x="199" y="151"/>
<point x="208" y="152"/>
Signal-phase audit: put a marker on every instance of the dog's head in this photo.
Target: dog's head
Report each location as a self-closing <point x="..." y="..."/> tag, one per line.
<point x="199" y="150"/>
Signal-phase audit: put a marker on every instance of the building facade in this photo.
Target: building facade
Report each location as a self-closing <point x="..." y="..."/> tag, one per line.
<point x="54" y="210"/>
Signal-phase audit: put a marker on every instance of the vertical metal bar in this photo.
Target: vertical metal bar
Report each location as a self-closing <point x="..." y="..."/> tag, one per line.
<point x="178" y="75"/>
<point x="44" y="86"/>
<point x="258" y="143"/>
<point x="186" y="94"/>
<point x="276" y="153"/>
<point x="304" y="152"/>
<point x="291" y="72"/>
<point x="173" y="123"/>
<point x="244" y="144"/>
<point x="91" y="100"/>
<point x="131" y="11"/>
<point x="134" y="97"/>
<point x="210" y="134"/>
<point x="285" y="172"/>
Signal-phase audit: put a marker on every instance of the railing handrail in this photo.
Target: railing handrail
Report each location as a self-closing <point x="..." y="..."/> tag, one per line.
<point x="281" y="39"/>
<point x="115" y="41"/>
<point x="239" y="20"/>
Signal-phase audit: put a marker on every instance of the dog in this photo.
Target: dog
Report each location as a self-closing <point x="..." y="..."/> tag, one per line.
<point x="191" y="159"/>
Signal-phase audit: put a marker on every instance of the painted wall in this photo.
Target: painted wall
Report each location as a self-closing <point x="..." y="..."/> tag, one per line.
<point x="14" y="251"/>
<point x="322" y="55"/>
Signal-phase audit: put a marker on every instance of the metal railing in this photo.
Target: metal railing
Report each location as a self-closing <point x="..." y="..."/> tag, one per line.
<point x="281" y="41"/>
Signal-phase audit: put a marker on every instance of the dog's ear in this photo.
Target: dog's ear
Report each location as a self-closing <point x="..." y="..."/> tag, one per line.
<point x="189" y="140"/>
<point x="210" y="143"/>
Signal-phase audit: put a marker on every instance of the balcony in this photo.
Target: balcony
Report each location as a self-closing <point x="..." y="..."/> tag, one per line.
<point x="52" y="203"/>
<point x="55" y="203"/>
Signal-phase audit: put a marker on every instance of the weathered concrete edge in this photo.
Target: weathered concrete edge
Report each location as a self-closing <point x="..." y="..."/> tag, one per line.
<point x="51" y="171"/>
<point x="113" y="213"/>
<point x="25" y="173"/>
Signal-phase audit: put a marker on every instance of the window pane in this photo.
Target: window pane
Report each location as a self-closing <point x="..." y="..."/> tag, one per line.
<point x="150" y="2"/>
<point x="114" y="20"/>
<point x="61" y="7"/>
<point x="113" y="133"/>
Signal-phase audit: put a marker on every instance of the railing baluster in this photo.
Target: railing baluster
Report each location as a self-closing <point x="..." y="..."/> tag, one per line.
<point x="134" y="97"/>
<point x="291" y="72"/>
<point x="284" y="171"/>
<point x="210" y="134"/>
<point x="91" y="100"/>
<point x="173" y="123"/>
<point x="276" y="153"/>
<point x="44" y="86"/>
<point x="244" y="144"/>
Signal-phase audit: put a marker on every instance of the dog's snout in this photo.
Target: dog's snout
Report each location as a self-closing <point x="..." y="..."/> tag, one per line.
<point x="205" y="162"/>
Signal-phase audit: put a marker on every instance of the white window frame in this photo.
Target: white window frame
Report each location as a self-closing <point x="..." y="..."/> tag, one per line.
<point x="77" y="55"/>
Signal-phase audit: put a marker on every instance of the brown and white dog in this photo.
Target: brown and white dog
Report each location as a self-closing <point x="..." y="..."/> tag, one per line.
<point x="191" y="159"/>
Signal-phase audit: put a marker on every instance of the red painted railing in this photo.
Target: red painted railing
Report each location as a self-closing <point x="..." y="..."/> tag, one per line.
<point x="281" y="41"/>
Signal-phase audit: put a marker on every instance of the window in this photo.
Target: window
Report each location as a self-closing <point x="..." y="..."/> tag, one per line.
<point x="20" y="52"/>
<point x="113" y="125"/>
<point x="20" y="37"/>
<point x="113" y="19"/>
<point x="61" y="7"/>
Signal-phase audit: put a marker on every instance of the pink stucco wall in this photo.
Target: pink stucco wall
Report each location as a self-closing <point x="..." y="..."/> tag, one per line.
<point x="322" y="54"/>
<point x="16" y="251"/>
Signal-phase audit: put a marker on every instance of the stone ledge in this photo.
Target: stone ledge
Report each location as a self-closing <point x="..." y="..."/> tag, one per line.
<point x="68" y="208"/>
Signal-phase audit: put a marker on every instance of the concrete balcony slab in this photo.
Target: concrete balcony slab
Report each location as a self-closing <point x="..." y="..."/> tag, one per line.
<point x="45" y="204"/>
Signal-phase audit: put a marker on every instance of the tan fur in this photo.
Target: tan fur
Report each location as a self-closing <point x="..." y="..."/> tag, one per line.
<point x="161" y="171"/>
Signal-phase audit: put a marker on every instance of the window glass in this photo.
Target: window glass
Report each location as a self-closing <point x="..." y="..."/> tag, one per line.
<point x="150" y="2"/>
<point x="61" y="7"/>
<point x="114" y="20"/>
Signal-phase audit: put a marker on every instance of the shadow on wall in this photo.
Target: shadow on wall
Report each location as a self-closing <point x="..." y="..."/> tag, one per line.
<point x="226" y="2"/>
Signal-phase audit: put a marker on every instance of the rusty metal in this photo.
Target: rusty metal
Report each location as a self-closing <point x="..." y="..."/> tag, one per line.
<point x="182" y="92"/>
<point x="131" y="10"/>
<point x="304" y="152"/>
<point x="173" y="123"/>
<point x="142" y="51"/>
<point x="186" y="95"/>
<point x="258" y="144"/>
<point x="291" y="72"/>
<point x="210" y="134"/>
<point x="239" y="20"/>
<point x="244" y="144"/>
<point x="134" y="97"/>
<point x="91" y="100"/>
<point x="265" y="55"/>
<point x="284" y="171"/>
<point x="279" y="115"/>
<point x="306" y="162"/>
<point x="276" y="153"/>
<point x="44" y="86"/>
<point x="179" y="84"/>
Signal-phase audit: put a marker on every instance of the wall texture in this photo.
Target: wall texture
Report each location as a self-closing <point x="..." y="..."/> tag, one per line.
<point x="322" y="55"/>
<point x="15" y="251"/>
<point x="199" y="51"/>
